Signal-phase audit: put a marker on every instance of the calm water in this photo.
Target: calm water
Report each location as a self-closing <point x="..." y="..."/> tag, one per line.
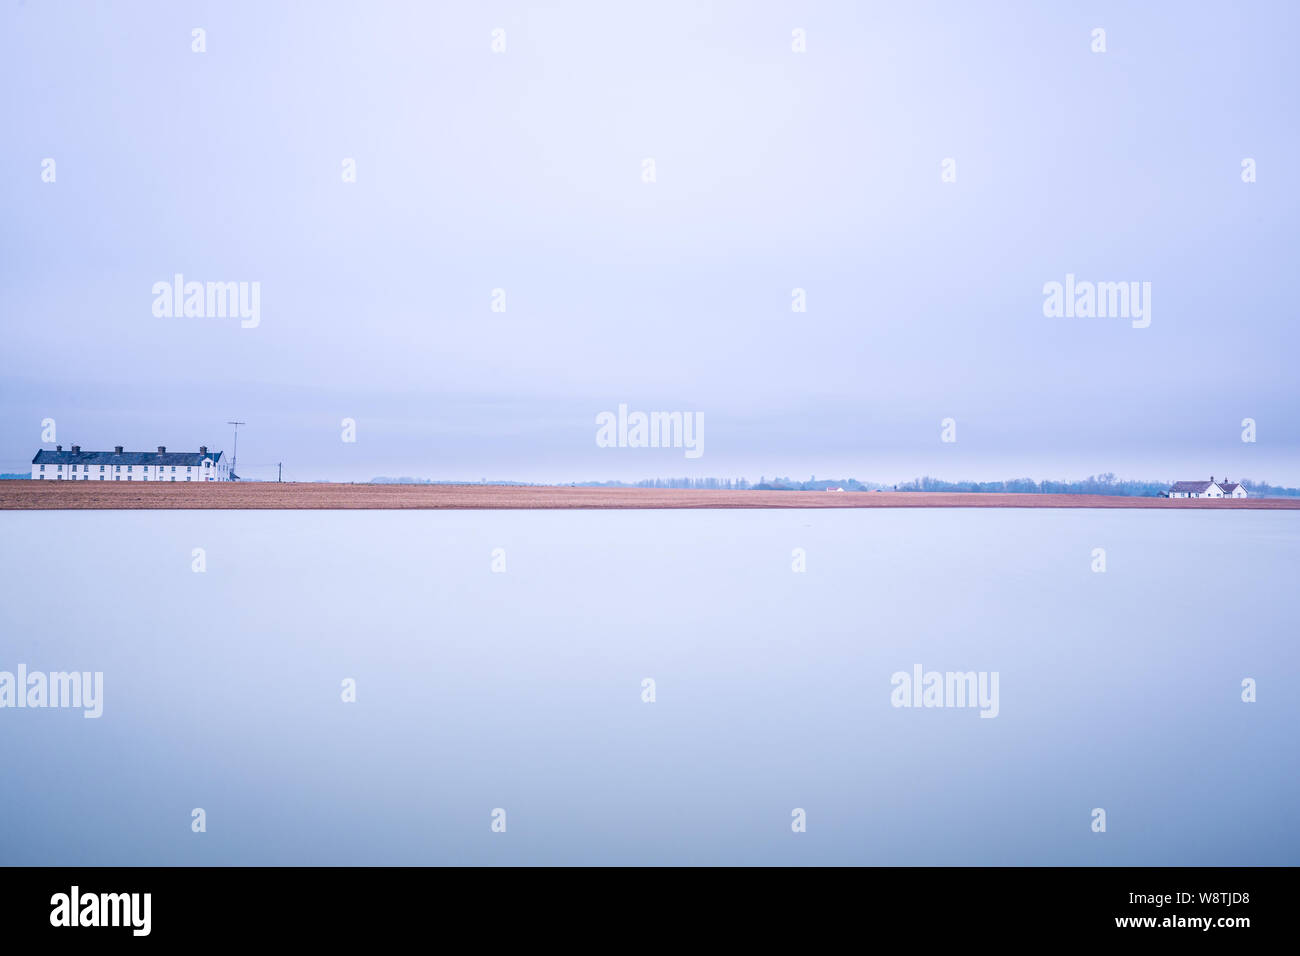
<point x="522" y="690"/>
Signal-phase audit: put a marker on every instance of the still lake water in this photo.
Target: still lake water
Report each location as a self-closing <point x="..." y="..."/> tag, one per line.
<point x="522" y="690"/>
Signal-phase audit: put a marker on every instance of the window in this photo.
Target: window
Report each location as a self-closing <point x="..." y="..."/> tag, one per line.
<point x="101" y="467"/>
<point x="42" y="467"/>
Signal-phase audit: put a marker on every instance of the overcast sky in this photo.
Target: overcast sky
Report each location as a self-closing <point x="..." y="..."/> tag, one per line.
<point x="775" y="170"/>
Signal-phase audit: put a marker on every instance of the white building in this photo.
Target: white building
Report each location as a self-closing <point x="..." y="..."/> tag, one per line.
<point x="119" y="465"/>
<point x="1207" y="489"/>
<point x="1232" y="489"/>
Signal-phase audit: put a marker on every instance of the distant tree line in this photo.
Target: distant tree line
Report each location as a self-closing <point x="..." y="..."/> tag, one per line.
<point x="1263" y="489"/>
<point x="724" y="484"/>
<point x="814" y="484"/>
<point x="1106" y="484"/>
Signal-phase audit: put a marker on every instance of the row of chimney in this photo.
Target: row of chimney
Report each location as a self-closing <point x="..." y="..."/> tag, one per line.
<point x="117" y="449"/>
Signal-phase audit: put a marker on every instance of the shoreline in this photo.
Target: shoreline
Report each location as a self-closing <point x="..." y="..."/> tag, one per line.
<point x="29" y="495"/>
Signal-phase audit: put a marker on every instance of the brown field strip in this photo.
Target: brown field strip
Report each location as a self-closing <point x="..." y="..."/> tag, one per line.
<point x="27" y="495"/>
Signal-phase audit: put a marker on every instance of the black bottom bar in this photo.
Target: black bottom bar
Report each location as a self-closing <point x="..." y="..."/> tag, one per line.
<point x="656" y="906"/>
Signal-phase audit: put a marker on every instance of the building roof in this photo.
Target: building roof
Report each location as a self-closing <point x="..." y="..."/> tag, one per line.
<point x="61" y="457"/>
<point x="1191" y="487"/>
<point x="1230" y="486"/>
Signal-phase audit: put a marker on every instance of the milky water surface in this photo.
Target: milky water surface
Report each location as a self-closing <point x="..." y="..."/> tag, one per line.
<point x="522" y="690"/>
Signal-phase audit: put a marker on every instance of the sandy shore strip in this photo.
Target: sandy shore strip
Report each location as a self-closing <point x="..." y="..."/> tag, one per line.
<point x="27" y="495"/>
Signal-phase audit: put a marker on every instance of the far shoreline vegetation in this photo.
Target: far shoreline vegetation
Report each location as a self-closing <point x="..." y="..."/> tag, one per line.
<point x="1106" y="484"/>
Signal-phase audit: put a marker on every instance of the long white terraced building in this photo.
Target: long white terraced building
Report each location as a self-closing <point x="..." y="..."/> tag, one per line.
<point x="119" y="465"/>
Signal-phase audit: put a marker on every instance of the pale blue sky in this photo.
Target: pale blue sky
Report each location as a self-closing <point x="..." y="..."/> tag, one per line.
<point x="775" y="170"/>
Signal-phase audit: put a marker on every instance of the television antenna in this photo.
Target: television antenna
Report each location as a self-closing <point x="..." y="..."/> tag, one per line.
<point x="234" y="474"/>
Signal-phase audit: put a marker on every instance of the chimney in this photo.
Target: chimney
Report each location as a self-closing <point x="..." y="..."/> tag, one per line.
<point x="163" y="448"/>
<point x="76" y="449"/>
<point x="58" y="448"/>
<point x="117" y="449"/>
<point x="203" y="449"/>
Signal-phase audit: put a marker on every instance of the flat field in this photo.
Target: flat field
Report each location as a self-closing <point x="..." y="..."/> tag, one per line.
<point x="27" y="495"/>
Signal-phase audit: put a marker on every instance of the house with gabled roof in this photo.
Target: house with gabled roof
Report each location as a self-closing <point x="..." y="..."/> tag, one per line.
<point x="1207" y="489"/>
<point x="1195" y="489"/>
<point x="119" y="465"/>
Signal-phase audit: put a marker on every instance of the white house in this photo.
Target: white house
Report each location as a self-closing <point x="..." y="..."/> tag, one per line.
<point x="1207" y="489"/>
<point x="119" y="465"/>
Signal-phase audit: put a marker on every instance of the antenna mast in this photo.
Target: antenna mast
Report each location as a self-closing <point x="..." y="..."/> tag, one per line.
<point x="234" y="474"/>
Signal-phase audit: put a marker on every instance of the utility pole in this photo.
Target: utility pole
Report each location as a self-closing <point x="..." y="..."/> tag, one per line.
<point x="280" y="475"/>
<point x="234" y="474"/>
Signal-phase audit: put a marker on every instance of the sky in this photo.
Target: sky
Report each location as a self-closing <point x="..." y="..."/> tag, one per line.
<point x="523" y="170"/>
